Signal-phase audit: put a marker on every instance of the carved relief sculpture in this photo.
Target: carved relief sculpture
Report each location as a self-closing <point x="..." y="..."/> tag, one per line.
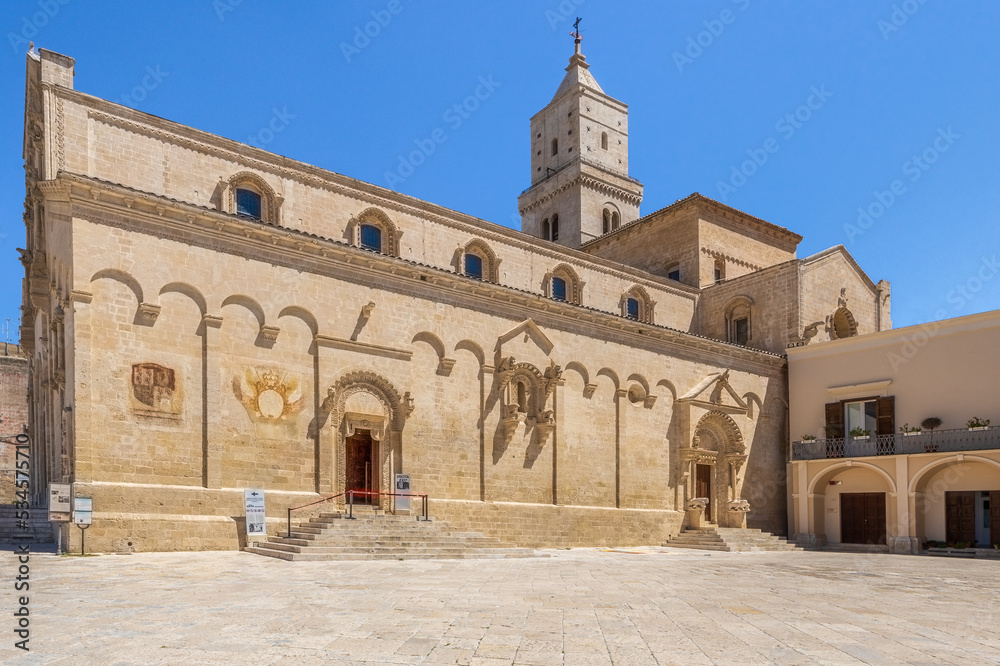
<point x="154" y="389"/>
<point x="268" y="396"/>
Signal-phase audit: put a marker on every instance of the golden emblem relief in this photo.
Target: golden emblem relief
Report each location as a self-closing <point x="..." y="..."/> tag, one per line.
<point x="268" y="395"/>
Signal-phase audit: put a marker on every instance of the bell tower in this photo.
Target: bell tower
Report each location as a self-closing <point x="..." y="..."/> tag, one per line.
<point x="580" y="187"/>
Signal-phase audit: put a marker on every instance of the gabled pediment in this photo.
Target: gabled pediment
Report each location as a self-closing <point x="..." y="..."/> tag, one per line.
<point x="530" y="331"/>
<point x="714" y="392"/>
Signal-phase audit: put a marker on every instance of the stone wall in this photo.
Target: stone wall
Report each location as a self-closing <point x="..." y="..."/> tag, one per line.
<point x="13" y="411"/>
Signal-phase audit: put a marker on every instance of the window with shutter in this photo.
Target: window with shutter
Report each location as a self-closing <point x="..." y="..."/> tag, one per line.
<point x="835" y="420"/>
<point x="885" y="413"/>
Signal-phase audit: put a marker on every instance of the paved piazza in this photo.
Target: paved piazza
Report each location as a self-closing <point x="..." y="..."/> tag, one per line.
<point x="581" y="606"/>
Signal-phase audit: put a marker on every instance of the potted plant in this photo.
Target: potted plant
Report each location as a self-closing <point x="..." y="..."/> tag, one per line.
<point x="931" y="423"/>
<point x="860" y="434"/>
<point x="808" y="438"/>
<point x="908" y="431"/>
<point x="975" y="423"/>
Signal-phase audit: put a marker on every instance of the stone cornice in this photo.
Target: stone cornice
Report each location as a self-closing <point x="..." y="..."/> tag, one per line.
<point x="586" y="180"/>
<point x="180" y="221"/>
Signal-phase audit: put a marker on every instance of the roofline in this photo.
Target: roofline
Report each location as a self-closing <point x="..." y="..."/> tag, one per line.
<point x="842" y="250"/>
<point x="917" y="333"/>
<point x="696" y="197"/>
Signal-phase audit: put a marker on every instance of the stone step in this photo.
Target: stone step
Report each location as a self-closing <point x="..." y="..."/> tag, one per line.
<point x="499" y="554"/>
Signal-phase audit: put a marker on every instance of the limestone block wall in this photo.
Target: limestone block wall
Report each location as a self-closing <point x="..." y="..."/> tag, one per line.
<point x="229" y="336"/>
<point x="742" y="248"/>
<point x="831" y="281"/>
<point x="127" y="147"/>
<point x="13" y="411"/>
<point x="774" y="306"/>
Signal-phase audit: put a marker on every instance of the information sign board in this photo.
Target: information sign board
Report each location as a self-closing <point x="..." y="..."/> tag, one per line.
<point x="60" y="505"/>
<point x="403" y="486"/>
<point x="83" y="510"/>
<point x="253" y="501"/>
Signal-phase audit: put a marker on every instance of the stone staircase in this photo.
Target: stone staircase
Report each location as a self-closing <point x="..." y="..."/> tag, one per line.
<point x="729" y="539"/>
<point x="39" y="526"/>
<point x="373" y="535"/>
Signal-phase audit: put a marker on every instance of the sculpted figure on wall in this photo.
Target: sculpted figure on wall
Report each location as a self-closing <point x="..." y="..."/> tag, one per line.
<point x="268" y="395"/>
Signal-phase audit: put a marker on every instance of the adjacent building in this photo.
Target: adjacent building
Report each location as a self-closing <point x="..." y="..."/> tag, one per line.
<point x="898" y="438"/>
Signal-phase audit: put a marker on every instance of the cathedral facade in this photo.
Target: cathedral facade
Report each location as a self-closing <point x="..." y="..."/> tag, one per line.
<point x="203" y="317"/>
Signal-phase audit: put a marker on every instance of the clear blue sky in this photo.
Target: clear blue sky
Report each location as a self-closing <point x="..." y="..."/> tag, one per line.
<point x="708" y="85"/>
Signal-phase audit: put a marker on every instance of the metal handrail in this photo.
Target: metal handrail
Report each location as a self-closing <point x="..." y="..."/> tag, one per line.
<point x="939" y="441"/>
<point x="374" y="493"/>
<point x="302" y="506"/>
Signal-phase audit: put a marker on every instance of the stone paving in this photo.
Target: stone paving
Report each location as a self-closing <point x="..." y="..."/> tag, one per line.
<point x="628" y="606"/>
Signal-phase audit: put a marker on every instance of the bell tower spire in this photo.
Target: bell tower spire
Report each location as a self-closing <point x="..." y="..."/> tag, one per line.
<point x="580" y="187"/>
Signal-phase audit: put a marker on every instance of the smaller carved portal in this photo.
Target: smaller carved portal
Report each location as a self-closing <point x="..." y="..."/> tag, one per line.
<point x="361" y="468"/>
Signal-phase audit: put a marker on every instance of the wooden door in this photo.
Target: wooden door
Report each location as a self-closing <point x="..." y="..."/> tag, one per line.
<point x="703" y="487"/>
<point x="994" y="517"/>
<point x="359" y="460"/>
<point x="862" y="518"/>
<point x="960" y="516"/>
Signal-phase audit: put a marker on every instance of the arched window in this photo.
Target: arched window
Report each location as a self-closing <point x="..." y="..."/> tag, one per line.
<point x="555" y="227"/>
<point x="720" y="270"/>
<point x="615" y="221"/>
<point x="607" y="221"/>
<point x="474" y="265"/>
<point x="371" y="237"/>
<point x="479" y="261"/>
<point x="545" y="229"/>
<point x="522" y="397"/>
<point x="248" y="195"/>
<point x="604" y="140"/>
<point x="555" y="147"/>
<point x="636" y="304"/>
<point x="248" y="203"/>
<point x="562" y="284"/>
<point x="373" y="230"/>
<point x="739" y="329"/>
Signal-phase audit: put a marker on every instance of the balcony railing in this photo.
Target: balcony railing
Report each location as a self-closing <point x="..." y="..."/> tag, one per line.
<point x="939" y="441"/>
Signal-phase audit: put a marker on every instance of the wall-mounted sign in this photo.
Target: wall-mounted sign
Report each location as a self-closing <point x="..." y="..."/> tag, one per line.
<point x="403" y="486"/>
<point x="83" y="510"/>
<point x="253" y="501"/>
<point x="60" y="504"/>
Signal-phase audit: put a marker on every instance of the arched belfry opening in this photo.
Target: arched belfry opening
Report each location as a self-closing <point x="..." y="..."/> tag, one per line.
<point x="367" y="416"/>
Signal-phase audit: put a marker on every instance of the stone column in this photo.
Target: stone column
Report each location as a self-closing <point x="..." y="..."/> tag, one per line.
<point x="211" y="402"/>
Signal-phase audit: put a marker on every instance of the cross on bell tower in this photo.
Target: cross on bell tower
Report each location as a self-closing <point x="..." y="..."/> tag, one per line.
<point x="580" y="187"/>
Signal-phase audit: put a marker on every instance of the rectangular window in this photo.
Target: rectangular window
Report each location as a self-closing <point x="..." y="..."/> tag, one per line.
<point x="248" y="203"/>
<point x="741" y="331"/>
<point x="558" y="289"/>
<point x="861" y="414"/>
<point x="474" y="266"/>
<point x="632" y="308"/>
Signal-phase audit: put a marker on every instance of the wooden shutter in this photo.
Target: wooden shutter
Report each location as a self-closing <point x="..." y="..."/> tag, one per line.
<point x="834" y="420"/>
<point x="885" y="414"/>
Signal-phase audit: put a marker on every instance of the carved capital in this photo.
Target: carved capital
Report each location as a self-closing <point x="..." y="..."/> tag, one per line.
<point x="269" y="333"/>
<point x="147" y="314"/>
